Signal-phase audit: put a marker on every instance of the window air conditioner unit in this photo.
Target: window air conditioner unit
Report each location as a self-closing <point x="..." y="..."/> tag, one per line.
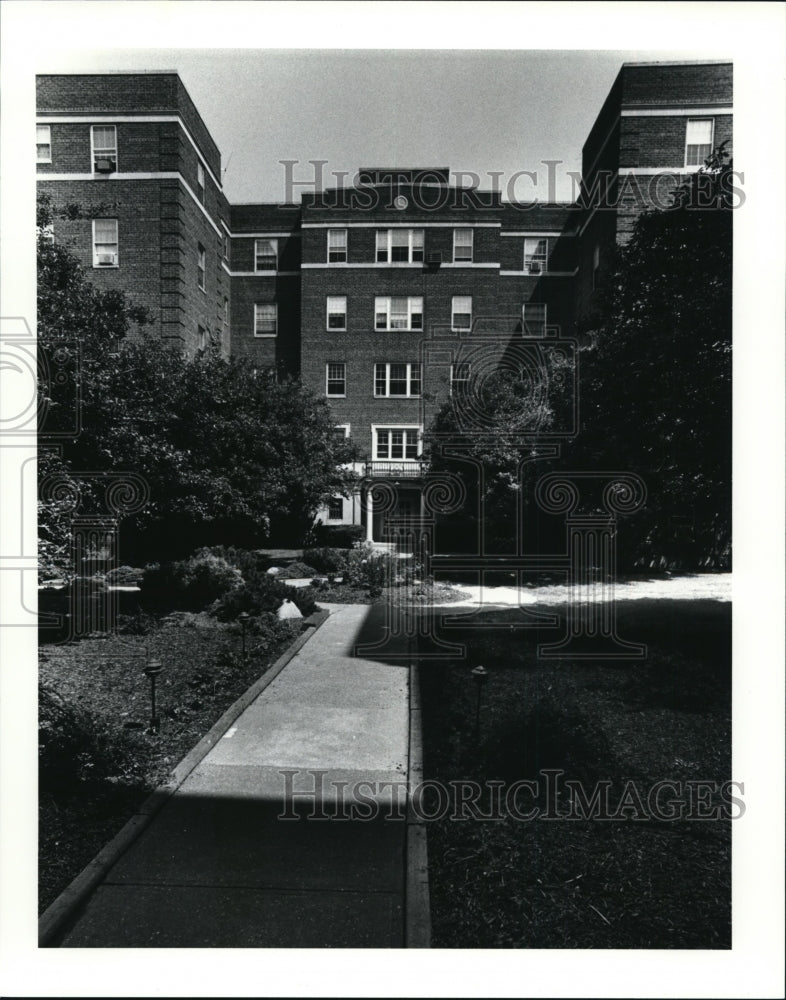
<point x="104" y="166"/>
<point x="433" y="259"/>
<point x="534" y="267"/>
<point x="106" y="260"/>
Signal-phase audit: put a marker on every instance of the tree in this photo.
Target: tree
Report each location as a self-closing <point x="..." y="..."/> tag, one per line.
<point x="654" y="393"/>
<point x="228" y="454"/>
<point x="496" y="424"/>
<point x="655" y="389"/>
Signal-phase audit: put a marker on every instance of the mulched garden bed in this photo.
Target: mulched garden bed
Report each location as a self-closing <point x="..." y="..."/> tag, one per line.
<point x="99" y="759"/>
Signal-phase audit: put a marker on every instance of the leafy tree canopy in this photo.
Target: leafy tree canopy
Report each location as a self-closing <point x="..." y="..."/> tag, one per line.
<point x="229" y="455"/>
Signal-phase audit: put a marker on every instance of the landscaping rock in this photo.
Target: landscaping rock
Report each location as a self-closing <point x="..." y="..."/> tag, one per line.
<point x="288" y="610"/>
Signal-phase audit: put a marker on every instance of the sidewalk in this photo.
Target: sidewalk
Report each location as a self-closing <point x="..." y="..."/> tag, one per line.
<point x="217" y="867"/>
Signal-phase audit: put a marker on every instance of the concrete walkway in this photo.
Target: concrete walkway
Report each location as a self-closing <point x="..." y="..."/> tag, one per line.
<point x="219" y="867"/>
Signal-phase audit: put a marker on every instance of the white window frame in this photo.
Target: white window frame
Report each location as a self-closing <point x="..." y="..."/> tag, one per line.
<point x="330" y="518"/>
<point x="410" y="366"/>
<point x="104" y="155"/>
<point x="328" y="379"/>
<point x="694" y="145"/>
<point x="382" y="304"/>
<point x="265" y="270"/>
<point x="540" y="305"/>
<point x="104" y="243"/>
<point x="466" y="246"/>
<point x="345" y="428"/>
<point x="265" y="333"/>
<point x="454" y="381"/>
<point x="460" y="312"/>
<point x="535" y="260"/>
<point x="334" y="311"/>
<point x="408" y="429"/>
<point x="201" y="181"/>
<point x="344" y="249"/>
<point x="38" y="158"/>
<point x="383" y="253"/>
<point x="226" y="311"/>
<point x="201" y="268"/>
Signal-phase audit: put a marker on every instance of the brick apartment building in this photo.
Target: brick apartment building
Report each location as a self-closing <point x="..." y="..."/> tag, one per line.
<point x="355" y="289"/>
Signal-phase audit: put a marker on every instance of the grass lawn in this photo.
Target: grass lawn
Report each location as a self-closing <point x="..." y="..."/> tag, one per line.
<point x="584" y="883"/>
<point x="98" y="758"/>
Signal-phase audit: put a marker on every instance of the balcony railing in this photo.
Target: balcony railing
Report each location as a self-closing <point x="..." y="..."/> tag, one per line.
<point x="396" y="470"/>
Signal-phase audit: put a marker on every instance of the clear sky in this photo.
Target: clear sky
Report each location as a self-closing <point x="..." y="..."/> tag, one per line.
<point x="473" y="110"/>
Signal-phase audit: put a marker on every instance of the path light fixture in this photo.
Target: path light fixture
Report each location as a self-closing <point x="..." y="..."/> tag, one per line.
<point x="480" y="676"/>
<point x="244" y="619"/>
<point x="152" y="670"/>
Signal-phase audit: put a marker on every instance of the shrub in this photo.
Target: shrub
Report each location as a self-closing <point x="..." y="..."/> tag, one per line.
<point x="74" y="746"/>
<point x="124" y="576"/>
<point x="327" y="560"/>
<point x="341" y="536"/>
<point x="248" y="561"/>
<point x="189" y="585"/>
<point x="263" y="593"/>
<point x="368" y="567"/>
<point x="296" y="571"/>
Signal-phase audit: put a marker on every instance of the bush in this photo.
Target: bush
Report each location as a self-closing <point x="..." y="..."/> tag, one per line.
<point x="189" y="585"/>
<point x="296" y="571"/>
<point x="74" y="746"/>
<point x="370" y="568"/>
<point x="263" y="593"/>
<point x="124" y="576"/>
<point x="248" y="561"/>
<point x="340" y="536"/>
<point x="327" y="560"/>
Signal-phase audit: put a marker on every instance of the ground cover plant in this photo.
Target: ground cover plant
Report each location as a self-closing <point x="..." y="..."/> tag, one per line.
<point x="98" y="759"/>
<point x="626" y="883"/>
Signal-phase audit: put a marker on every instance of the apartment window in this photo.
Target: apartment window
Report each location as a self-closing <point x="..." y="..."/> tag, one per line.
<point x="536" y="253"/>
<point x="461" y="314"/>
<point x="399" y="246"/>
<point x="201" y="266"/>
<point x="398" y="313"/>
<point x="396" y="443"/>
<point x="265" y="255"/>
<point x="337" y="246"/>
<point x="265" y="319"/>
<point x="462" y="245"/>
<point x="336" y="378"/>
<point x="337" y="312"/>
<point x="533" y="319"/>
<point x="459" y="377"/>
<point x="226" y="312"/>
<point x="341" y="433"/>
<point x="104" y="143"/>
<point x="46" y="233"/>
<point x="201" y="181"/>
<point x="201" y="338"/>
<point x="336" y="509"/>
<point x="43" y="144"/>
<point x="698" y="141"/>
<point x="397" y="379"/>
<point x="105" y="243"/>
